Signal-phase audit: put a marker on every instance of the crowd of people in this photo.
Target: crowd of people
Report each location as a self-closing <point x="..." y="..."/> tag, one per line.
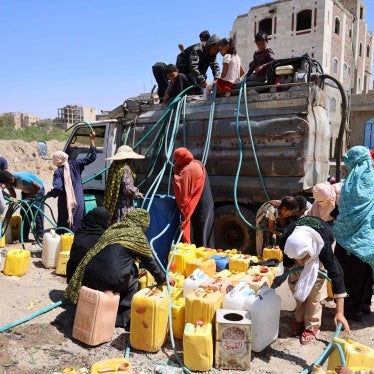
<point x="333" y="235"/>
<point x="193" y="62"/>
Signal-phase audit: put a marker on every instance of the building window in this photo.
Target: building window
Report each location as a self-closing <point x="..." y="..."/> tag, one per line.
<point x="345" y="70"/>
<point x="335" y="67"/>
<point x="304" y="20"/>
<point x="337" y="26"/>
<point x="265" y="26"/>
<point x="350" y="33"/>
<point x="349" y="70"/>
<point x="359" y="83"/>
<point x="368" y="51"/>
<point x="361" y="13"/>
<point x="360" y="50"/>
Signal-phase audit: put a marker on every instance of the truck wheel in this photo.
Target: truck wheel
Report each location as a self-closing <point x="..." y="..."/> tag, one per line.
<point x="231" y="232"/>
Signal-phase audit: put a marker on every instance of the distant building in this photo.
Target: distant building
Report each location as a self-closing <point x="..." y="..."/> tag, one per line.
<point x="22" y="120"/>
<point x="71" y="114"/>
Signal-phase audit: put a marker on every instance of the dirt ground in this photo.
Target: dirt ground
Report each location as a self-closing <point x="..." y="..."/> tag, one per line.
<point x="45" y="345"/>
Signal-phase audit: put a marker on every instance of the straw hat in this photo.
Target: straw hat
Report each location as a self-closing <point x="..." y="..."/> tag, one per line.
<point x="125" y="152"/>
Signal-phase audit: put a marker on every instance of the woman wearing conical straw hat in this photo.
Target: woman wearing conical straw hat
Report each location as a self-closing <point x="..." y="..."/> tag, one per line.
<point x="120" y="191"/>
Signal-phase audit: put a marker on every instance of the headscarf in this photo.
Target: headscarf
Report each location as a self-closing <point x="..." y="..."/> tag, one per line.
<point x="188" y="184"/>
<point x="326" y="196"/>
<point x="93" y="225"/>
<point x="303" y="241"/>
<point x="113" y="185"/>
<point x="60" y="158"/>
<point x="354" y="226"/>
<point x="127" y="233"/>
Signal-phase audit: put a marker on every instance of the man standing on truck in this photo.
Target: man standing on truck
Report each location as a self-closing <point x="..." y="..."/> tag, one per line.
<point x="203" y="56"/>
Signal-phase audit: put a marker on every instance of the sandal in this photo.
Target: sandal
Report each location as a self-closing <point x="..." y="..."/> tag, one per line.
<point x="296" y="328"/>
<point x="308" y="336"/>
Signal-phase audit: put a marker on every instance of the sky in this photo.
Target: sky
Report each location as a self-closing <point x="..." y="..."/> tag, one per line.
<point x="97" y="53"/>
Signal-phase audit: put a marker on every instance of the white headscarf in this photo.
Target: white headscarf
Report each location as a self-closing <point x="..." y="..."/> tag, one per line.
<point x="60" y="158"/>
<point x="303" y="241"/>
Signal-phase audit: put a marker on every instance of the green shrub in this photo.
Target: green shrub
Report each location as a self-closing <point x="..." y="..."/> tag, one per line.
<point x="44" y="132"/>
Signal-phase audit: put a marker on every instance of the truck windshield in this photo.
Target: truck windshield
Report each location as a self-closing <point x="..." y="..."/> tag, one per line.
<point x="79" y="142"/>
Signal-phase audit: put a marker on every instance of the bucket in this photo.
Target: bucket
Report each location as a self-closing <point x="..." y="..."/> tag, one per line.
<point x="163" y="211"/>
<point x="222" y="262"/>
<point x="89" y="202"/>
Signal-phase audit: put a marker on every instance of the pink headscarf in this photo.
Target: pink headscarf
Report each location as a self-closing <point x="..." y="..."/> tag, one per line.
<point x="326" y="196"/>
<point x="60" y="158"/>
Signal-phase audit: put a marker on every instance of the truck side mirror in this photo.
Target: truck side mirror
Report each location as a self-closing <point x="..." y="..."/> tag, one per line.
<point x="42" y="149"/>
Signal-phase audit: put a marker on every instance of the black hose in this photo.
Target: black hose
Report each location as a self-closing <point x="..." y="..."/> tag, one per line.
<point x="339" y="140"/>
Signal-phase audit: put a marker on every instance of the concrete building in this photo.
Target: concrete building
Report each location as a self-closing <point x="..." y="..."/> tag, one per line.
<point x="71" y="114"/>
<point x="22" y="120"/>
<point x="332" y="32"/>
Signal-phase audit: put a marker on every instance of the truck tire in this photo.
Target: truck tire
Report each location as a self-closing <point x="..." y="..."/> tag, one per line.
<point x="231" y="232"/>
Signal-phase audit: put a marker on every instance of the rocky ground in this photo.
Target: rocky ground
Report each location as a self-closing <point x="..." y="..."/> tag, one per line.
<point x="45" y="345"/>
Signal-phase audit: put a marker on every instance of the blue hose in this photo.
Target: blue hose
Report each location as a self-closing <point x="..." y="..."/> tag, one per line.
<point x="31" y="316"/>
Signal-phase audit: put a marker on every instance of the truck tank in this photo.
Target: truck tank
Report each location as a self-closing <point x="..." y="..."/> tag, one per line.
<point x="284" y="129"/>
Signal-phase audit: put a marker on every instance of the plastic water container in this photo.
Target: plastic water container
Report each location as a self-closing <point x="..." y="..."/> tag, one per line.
<point x="264" y="309"/>
<point x="201" y="305"/>
<point x="66" y="242"/>
<point x="178" y="317"/>
<point x="203" y="252"/>
<point x="264" y="272"/>
<point x="356" y="355"/>
<point x="62" y="260"/>
<point x="234" y="276"/>
<point x="17" y="262"/>
<point x="198" y="346"/>
<point x="222" y="262"/>
<point x="207" y="265"/>
<point x="51" y="249"/>
<point x="149" y="319"/>
<point x="193" y="281"/>
<point x="95" y="316"/>
<point x="217" y="284"/>
<point x="241" y="262"/>
<point x="178" y="278"/>
<point x="112" y="365"/>
<point x="235" y="299"/>
<point x="15" y="226"/>
<point x="182" y="254"/>
<point x="272" y="252"/>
